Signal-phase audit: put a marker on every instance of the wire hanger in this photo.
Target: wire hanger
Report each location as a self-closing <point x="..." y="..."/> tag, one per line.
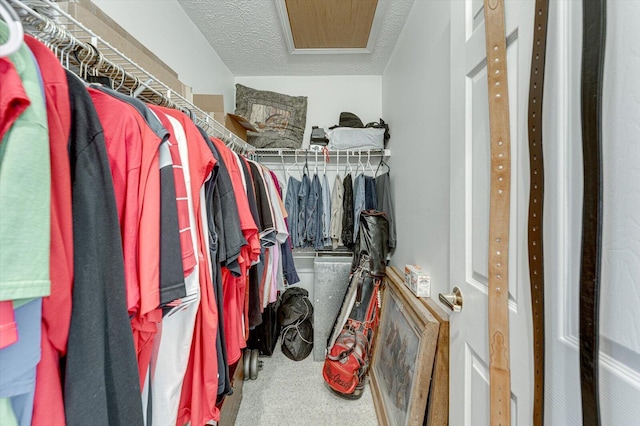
<point x="327" y="158"/>
<point x="382" y="162"/>
<point x="347" y="165"/>
<point x="295" y="163"/>
<point x="16" y="32"/>
<point x="305" y="168"/>
<point x="359" y="165"/>
<point x="315" y="169"/>
<point x="369" y="165"/>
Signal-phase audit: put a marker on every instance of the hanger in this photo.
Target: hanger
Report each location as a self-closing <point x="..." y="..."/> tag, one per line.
<point x="359" y="165"/>
<point x="65" y="52"/>
<point x="315" y="170"/>
<point x="373" y="172"/>
<point x="380" y="164"/>
<point x="349" y="166"/>
<point x="306" y="163"/>
<point x="284" y="168"/>
<point x="286" y="171"/>
<point x="16" y="32"/>
<point x="327" y="158"/>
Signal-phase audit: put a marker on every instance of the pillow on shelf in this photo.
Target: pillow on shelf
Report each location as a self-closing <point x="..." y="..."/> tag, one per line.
<point x="280" y="119"/>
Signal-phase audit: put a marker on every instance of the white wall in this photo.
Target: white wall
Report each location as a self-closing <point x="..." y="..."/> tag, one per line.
<point x="328" y="96"/>
<point x="415" y="98"/>
<point x="165" y="29"/>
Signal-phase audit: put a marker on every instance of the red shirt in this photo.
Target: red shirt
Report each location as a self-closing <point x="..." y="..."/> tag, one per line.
<point x="235" y="288"/>
<point x="200" y="385"/>
<point x="133" y="153"/>
<point x="123" y="138"/>
<point x="56" y="308"/>
<point x="186" y="244"/>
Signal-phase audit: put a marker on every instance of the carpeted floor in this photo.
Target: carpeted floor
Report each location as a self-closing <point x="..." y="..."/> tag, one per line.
<point x="290" y="393"/>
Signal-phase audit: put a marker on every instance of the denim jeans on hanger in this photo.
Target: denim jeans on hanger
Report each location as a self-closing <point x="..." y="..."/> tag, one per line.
<point x="313" y="219"/>
<point x="288" y="265"/>
<point x="371" y="199"/>
<point x="291" y="205"/>
<point x="303" y="194"/>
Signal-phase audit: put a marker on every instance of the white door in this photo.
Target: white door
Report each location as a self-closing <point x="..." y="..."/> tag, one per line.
<point x="470" y="160"/>
<point x="620" y="295"/>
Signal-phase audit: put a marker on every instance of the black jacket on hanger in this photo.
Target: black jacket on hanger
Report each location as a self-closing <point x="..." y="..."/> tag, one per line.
<point x="348" y="213"/>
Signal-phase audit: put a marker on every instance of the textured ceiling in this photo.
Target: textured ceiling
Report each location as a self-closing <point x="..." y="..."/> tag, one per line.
<point x="248" y="36"/>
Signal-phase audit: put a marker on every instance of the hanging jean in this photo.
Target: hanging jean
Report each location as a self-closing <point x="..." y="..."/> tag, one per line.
<point x="291" y="205"/>
<point x="318" y="242"/>
<point x="326" y="212"/>
<point x="312" y="216"/>
<point x="370" y="197"/>
<point x="358" y="203"/>
<point x="303" y="194"/>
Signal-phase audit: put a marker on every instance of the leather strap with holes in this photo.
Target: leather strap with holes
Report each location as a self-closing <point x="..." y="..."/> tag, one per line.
<point x="500" y="187"/>
<point x="536" y="203"/>
<point x="593" y="46"/>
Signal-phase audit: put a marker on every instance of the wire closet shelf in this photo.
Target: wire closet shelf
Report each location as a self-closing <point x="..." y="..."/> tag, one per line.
<point x="87" y="54"/>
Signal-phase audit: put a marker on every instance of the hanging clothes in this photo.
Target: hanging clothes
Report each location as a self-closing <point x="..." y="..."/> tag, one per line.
<point x="198" y="396"/>
<point x="303" y="194"/>
<point x="370" y="196"/>
<point x="214" y="217"/>
<point x="313" y="215"/>
<point x="132" y="147"/>
<point x="138" y="324"/>
<point x="326" y="212"/>
<point x="101" y="383"/>
<point x="292" y="206"/>
<point x="56" y="308"/>
<point x="234" y="287"/>
<point x="337" y="201"/>
<point x="385" y="204"/>
<point x="171" y="357"/>
<point x="359" y="203"/>
<point x="290" y="275"/>
<point x="348" y="212"/>
<point x="171" y="283"/>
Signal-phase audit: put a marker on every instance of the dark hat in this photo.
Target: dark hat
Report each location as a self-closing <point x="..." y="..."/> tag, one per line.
<point x="349" y="119"/>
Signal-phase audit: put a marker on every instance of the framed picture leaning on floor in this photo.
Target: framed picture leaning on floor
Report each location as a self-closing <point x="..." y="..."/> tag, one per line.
<point x="403" y="357"/>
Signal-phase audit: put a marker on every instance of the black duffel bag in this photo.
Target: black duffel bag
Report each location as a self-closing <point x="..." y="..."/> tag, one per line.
<point x="295" y="317"/>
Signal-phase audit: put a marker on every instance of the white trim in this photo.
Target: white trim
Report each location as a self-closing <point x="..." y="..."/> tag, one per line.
<point x="376" y="24"/>
<point x="564" y="172"/>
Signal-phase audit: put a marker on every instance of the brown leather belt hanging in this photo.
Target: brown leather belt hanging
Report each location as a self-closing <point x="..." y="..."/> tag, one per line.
<point x="536" y="203"/>
<point x="593" y="45"/>
<point x="500" y="376"/>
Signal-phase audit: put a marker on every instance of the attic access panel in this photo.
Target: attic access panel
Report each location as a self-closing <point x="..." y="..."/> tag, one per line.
<point x="329" y="26"/>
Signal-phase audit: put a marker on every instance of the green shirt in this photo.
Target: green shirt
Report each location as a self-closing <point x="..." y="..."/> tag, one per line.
<point x="25" y="191"/>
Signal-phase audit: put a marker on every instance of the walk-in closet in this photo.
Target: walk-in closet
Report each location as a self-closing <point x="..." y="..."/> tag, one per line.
<point x="319" y="212"/>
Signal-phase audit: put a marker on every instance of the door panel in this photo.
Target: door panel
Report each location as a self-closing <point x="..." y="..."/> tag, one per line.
<point x="470" y="180"/>
<point x="619" y="315"/>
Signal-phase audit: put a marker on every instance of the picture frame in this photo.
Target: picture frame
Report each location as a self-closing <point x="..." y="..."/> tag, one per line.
<point x="404" y="356"/>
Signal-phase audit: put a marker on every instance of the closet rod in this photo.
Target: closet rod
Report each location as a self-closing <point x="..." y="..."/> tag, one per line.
<point x="77" y="48"/>
<point x="291" y="152"/>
